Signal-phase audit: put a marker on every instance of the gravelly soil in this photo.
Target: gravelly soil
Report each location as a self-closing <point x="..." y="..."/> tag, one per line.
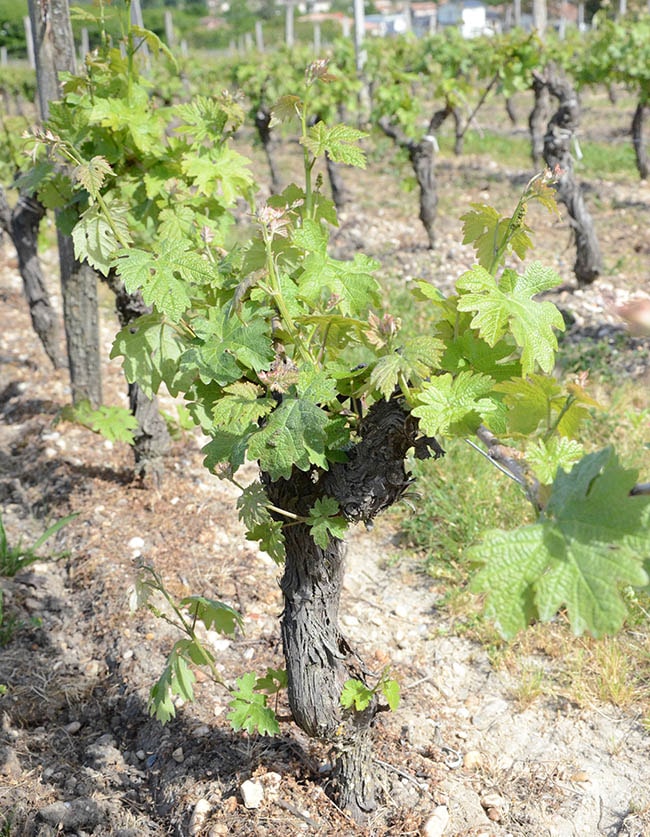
<point x="78" y="753"/>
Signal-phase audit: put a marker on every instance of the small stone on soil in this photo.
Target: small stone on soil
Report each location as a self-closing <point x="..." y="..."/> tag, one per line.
<point x="178" y="755"/>
<point x="73" y="727"/>
<point x="437" y="823"/>
<point x="252" y="794"/>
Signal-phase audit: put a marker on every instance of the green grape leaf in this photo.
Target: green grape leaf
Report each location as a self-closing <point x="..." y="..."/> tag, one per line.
<point x="294" y="436"/>
<point x="507" y="305"/>
<point x="349" y="285"/>
<point x="252" y="506"/>
<point x="339" y="142"/>
<point x="248" y="709"/>
<point x="33" y="180"/>
<point x="286" y="108"/>
<point x="356" y="694"/>
<point x="153" y="42"/>
<point x="215" y="615"/>
<point x="325" y="522"/>
<point x="241" y="405"/>
<point x="223" y="171"/>
<point x="176" y="679"/>
<point x="163" y="275"/>
<point x="225" y="448"/>
<point x="151" y="351"/>
<point x="93" y="174"/>
<point x="590" y="542"/>
<point x="546" y="457"/>
<point x="540" y="400"/>
<point x="94" y="236"/>
<point x="161" y="704"/>
<point x="270" y="538"/>
<point x="227" y="342"/>
<point x="134" y="117"/>
<point x="117" y="424"/>
<point x="273" y="681"/>
<point x="484" y="228"/>
<point x="448" y="405"/>
<point x="176" y="222"/>
<point x="391" y="691"/>
<point x="386" y="373"/>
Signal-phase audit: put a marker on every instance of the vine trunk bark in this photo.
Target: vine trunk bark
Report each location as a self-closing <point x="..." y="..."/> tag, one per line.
<point x="22" y="223"/>
<point x="538" y="119"/>
<point x="151" y="440"/>
<point x="263" y="126"/>
<point x="54" y="52"/>
<point x="640" y="151"/>
<point x="422" y="155"/>
<point x="557" y="154"/>
<point x="319" y="658"/>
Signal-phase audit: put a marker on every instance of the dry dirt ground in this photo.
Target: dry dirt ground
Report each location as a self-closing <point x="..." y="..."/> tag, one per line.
<point x="79" y="754"/>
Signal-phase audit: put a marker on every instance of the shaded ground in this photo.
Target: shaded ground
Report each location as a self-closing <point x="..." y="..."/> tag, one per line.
<point x="78" y="753"/>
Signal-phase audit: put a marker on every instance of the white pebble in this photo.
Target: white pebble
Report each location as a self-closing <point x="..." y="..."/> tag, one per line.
<point x="437" y="823"/>
<point x="252" y="794"/>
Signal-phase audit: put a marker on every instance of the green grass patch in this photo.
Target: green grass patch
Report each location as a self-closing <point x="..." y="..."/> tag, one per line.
<point x="511" y="151"/>
<point x="606" y="160"/>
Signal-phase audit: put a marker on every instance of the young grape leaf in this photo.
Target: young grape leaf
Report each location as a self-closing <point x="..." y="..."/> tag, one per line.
<point x="249" y="710"/>
<point x="94" y="236"/>
<point x="546" y="457"/>
<point x="386" y="373"/>
<point x="540" y="400"/>
<point x="325" y="522"/>
<point x="391" y="691"/>
<point x="356" y="694"/>
<point x="225" y="447"/>
<point x="223" y="169"/>
<point x="163" y="275"/>
<point x="151" y="350"/>
<point x="448" y="405"/>
<point x="242" y="404"/>
<point x="117" y="424"/>
<point x="270" y="537"/>
<point x="340" y="143"/>
<point x="509" y="304"/>
<point x="351" y="284"/>
<point x="214" y="615"/>
<point x="252" y="506"/>
<point x="92" y="174"/>
<point x="273" y="681"/>
<point x="177" y="679"/>
<point x="590" y="541"/>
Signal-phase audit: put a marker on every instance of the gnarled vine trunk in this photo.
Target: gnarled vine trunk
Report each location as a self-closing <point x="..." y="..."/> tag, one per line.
<point x="538" y="119"/>
<point x="319" y="658"/>
<point x="640" y="151"/>
<point x="263" y="125"/>
<point x="54" y="53"/>
<point x="422" y="157"/>
<point x="557" y="153"/>
<point x="22" y="223"/>
<point x="151" y="439"/>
